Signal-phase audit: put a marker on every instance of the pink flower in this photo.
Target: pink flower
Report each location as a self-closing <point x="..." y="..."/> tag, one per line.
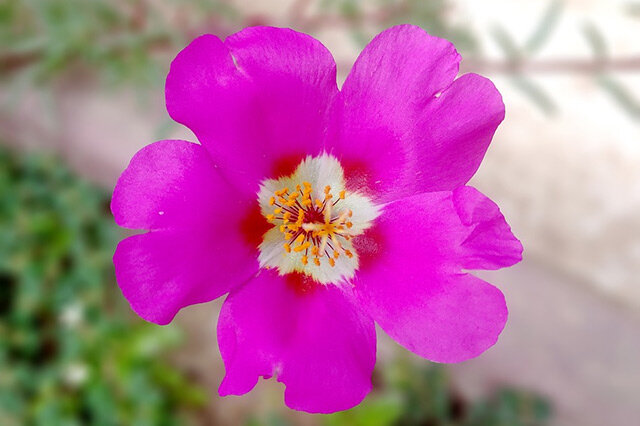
<point x="319" y="210"/>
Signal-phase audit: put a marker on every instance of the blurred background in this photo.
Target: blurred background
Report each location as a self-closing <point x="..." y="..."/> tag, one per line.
<point x="81" y="90"/>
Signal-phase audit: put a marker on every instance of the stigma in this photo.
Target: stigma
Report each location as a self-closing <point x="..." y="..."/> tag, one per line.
<point x="314" y="220"/>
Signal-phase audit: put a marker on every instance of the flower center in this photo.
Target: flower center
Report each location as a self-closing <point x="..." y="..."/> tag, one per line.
<point x="314" y="220"/>
<point x="318" y="228"/>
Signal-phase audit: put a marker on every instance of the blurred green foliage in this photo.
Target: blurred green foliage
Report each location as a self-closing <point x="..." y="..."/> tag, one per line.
<point x="47" y="37"/>
<point x="71" y="353"/>
<point x="133" y="41"/>
<point x="430" y="15"/>
<point x="118" y="38"/>
<point x="115" y="38"/>
<point x="408" y="395"/>
<point x="417" y="396"/>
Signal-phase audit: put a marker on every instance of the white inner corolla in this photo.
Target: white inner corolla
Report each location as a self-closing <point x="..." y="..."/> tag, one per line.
<point x="314" y="220"/>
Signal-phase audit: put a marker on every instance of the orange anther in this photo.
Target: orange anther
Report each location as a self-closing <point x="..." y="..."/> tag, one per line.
<point x="302" y="247"/>
<point x="332" y="262"/>
<point x="316" y="260"/>
<point x="272" y="201"/>
<point x="287" y="248"/>
<point x="342" y="194"/>
<point x="305" y="260"/>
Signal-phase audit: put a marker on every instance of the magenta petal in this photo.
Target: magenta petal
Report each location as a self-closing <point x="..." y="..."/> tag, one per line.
<point x="383" y="96"/>
<point x="161" y="272"/>
<point x="413" y="284"/>
<point x="265" y="111"/>
<point x="172" y="184"/>
<point x="202" y="85"/>
<point x="402" y="125"/>
<point x="489" y="243"/>
<point x="401" y="66"/>
<point x="454" y="131"/>
<point x="196" y="250"/>
<point x="314" y="340"/>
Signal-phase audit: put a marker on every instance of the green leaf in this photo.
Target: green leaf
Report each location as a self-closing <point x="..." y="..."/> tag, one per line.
<point x="548" y="22"/>
<point x="596" y="40"/>
<point x="535" y="93"/>
<point x="379" y="410"/>
<point x="506" y="43"/>
<point x="621" y="96"/>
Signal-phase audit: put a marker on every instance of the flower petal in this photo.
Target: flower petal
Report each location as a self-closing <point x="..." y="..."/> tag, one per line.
<point x="259" y="102"/>
<point x="394" y="74"/>
<point x="200" y="245"/>
<point x="490" y="243"/>
<point x="161" y="272"/>
<point x="403" y="126"/>
<point x="454" y="131"/>
<point x="311" y="336"/>
<point x="411" y="278"/>
<point x="172" y="184"/>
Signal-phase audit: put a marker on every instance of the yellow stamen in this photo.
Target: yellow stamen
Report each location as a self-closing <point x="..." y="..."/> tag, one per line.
<point x="302" y="247"/>
<point x="312" y="238"/>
